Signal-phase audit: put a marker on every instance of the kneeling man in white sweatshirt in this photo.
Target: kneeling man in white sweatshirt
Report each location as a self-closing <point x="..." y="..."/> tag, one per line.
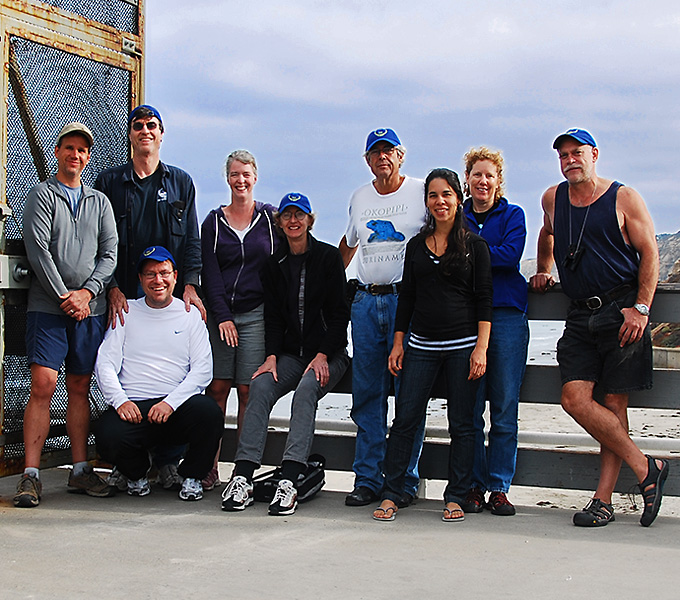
<point x="152" y="371"/>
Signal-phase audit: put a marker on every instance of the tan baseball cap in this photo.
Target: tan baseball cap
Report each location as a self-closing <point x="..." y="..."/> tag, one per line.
<point x="76" y="127"/>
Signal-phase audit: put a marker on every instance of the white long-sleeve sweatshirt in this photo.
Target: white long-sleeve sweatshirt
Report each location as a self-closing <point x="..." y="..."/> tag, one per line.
<point x="158" y="353"/>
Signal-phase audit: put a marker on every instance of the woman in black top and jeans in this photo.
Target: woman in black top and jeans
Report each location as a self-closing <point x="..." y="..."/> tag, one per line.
<point x="445" y="300"/>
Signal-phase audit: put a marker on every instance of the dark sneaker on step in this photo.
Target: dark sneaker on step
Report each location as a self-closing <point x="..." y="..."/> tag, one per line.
<point x="595" y="514"/>
<point x="90" y="483"/>
<point x="29" y="490"/>
<point x="169" y="478"/>
<point x="212" y="480"/>
<point x="474" y="501"/>
<point x="499" y="504"/>
<point x="361" y="496"/>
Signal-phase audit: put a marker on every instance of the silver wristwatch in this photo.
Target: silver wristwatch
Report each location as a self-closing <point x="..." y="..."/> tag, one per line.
<point x="643" y="309"/>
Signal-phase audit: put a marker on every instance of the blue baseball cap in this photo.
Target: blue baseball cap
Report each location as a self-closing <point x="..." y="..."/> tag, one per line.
<point x="151" y="109"/>
<point x="382" y="135"/>
<point x="297" y="200"/>
<point x="157" y="253"/>
<point x="580" y="135"/>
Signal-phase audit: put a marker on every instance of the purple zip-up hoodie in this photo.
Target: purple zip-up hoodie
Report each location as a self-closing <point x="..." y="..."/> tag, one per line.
<point x="231" y="267"/>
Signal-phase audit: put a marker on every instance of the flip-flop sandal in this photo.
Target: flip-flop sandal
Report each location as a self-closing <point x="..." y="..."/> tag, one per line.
<point x="451" y="519"/>
<point x="652" y="489"/>
<point x="391" y="509"/>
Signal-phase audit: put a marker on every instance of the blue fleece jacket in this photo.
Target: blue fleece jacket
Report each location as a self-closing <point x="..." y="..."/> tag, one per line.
<point x="505" y="231"/>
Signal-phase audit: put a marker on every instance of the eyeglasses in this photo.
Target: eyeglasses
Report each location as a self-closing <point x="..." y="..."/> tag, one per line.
<point x="288" y="215"/>
<point x="152" y="275"/>
<point x="386" y="151"/>
<point x="139" y="125"/>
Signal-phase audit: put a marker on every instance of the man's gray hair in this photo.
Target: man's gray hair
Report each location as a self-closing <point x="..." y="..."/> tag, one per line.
<point x="242" y="156"/>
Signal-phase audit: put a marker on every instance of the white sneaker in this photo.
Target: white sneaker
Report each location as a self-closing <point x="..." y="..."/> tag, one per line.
<point x="138" y="487"/>
<point x="169" y="478"/>
<point x="285" y="499"/>
<point x="191" y="489"/>
<point x="238" y="494"/>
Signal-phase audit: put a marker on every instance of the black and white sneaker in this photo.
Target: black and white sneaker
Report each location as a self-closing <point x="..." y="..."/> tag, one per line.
<point x="238" y="494"/>
<point x="285" y="499"/>
<point x="191" y="489"/>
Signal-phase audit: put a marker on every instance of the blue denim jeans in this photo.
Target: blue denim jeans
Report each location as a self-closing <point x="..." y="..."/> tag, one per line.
<point x="419" y="372"/>
<point x="372" y="337"/>
<point x="494" y="465"/>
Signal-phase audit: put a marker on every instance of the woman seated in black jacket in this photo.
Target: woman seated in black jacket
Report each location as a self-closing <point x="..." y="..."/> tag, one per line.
<point x="306" y="315"/>
<point x="445" y="300"/>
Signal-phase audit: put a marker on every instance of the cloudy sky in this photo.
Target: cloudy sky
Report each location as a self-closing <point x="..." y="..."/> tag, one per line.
<point x="301" y="83"/>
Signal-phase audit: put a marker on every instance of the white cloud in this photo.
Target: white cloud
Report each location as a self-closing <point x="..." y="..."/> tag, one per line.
<point x="273" y="75"/>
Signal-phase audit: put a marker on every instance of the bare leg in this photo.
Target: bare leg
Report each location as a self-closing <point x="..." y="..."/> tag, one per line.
<point x="242" y="391"/>
<point x="78" y="414"/>
<point x="610" y="463"/>
<point x="604" y="425"/>
<point x="219" y="390"/>
<point x="37" y="413"/>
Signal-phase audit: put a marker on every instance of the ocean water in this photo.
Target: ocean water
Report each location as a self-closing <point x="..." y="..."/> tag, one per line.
<point x="542" y="351"/>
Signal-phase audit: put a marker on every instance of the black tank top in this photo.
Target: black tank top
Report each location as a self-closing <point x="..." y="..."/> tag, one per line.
<point x="607" y="261"/>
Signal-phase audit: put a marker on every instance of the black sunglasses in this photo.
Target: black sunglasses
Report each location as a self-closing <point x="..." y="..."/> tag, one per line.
<point x="139" y="125"/>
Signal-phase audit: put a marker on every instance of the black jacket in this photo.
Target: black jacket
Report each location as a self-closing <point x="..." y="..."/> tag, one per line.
<point x="176" y="213"/>
<point x="326" y="311"/>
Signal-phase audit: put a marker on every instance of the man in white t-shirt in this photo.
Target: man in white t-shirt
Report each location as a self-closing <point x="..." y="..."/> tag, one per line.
<point x="383" y="216"/>
<point x="152" y="372"/>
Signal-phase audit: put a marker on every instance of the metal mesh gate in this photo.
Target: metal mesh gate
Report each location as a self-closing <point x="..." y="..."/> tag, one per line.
<point x="120" y="14"/>
<point x="53" y="79"/>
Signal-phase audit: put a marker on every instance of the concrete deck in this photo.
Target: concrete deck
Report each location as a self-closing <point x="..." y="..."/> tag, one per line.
<point x="75" y="546"/>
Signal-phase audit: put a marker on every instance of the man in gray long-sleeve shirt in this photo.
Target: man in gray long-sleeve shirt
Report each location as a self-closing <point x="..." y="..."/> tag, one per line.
<point x="71" y="241"/>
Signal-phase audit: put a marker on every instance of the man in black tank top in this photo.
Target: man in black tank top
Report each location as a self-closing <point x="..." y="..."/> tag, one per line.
<point x="601" y="236"/>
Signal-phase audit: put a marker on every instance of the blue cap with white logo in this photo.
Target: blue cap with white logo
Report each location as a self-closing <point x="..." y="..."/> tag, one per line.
<point x="297" y="200"/>
<point x="157" y="253"/>
<point x="151" y="109"/>
<point x="382" y="135"/>
<point x="580" y="135"/>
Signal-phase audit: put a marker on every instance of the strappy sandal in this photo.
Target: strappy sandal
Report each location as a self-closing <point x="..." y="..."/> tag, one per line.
<point x="595" y="514"/>
<point x="652" y="489"/>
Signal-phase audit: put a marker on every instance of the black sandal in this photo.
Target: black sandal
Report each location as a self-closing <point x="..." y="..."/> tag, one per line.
<point x="595" y="514"/>
<point x="652" y="489"/>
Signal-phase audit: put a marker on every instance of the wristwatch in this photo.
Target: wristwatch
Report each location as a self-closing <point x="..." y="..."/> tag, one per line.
<point x="643" y="309"/>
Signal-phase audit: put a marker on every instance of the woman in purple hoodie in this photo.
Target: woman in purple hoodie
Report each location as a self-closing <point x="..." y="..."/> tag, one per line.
<point x="236" y="240"/>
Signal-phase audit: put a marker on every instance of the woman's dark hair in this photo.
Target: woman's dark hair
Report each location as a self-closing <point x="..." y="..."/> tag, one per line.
<point x="456" y="250"/>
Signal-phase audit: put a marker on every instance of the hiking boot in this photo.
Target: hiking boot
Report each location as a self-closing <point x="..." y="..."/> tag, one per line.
<point x="169" y="478"/>
<point x="28" y="493"/>
<point x="238" y="494"/>
<point x="117" y="480"/>
<point x="474" y="501"/>
<point x="595" y="514"/>
<point x="285" y="499"/>
<point x="499" y="504"/>
<point x="211" y="480"/>
<point x="191" y="489"/>
<point x="138" y="487"/>
<point x="90" y="483"/>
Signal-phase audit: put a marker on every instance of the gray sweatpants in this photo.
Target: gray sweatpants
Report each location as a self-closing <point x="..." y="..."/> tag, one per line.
<point x="264" y="394"/>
